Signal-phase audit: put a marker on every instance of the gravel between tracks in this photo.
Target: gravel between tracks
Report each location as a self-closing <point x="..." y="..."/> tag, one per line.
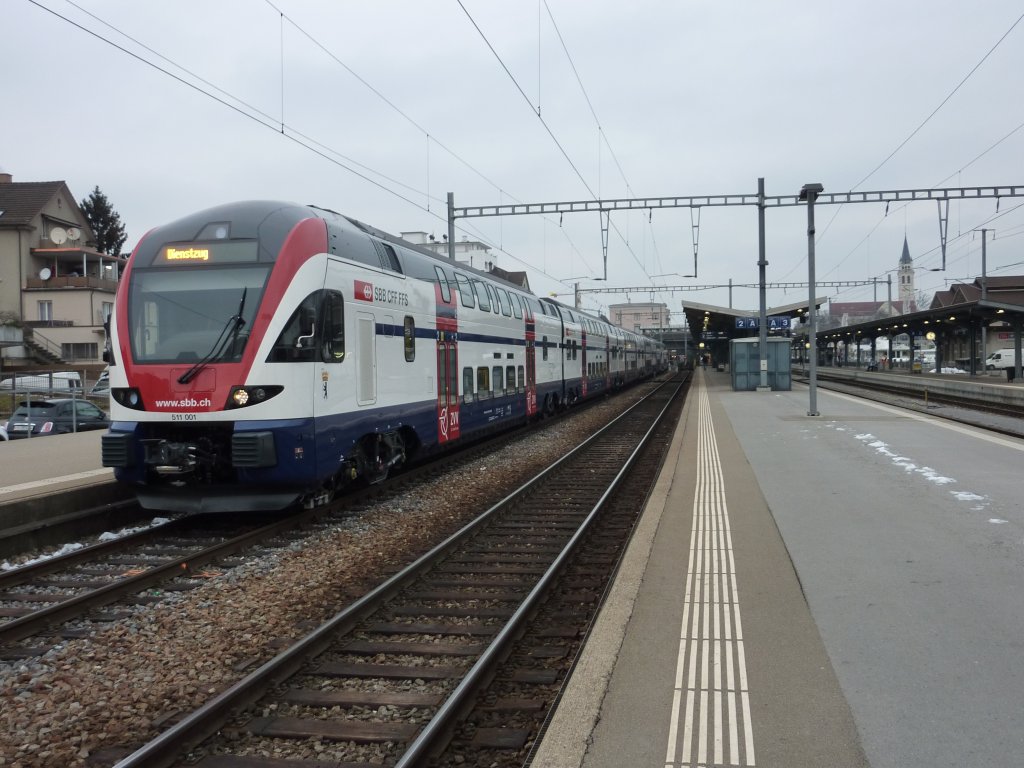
<point x="108" y="690"/>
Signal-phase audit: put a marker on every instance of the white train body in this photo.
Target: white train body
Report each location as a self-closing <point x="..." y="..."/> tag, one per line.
<point x="265" y="353"/>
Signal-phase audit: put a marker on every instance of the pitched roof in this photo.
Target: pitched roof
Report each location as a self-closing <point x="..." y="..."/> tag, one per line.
<point x="867" y="308"/>
<point x="20" y="202"/>
<point x="516" y="278"/>
<point x="1006" y="289"/>
<point x="1004" y="282"/>
<point x="854" y="307"/>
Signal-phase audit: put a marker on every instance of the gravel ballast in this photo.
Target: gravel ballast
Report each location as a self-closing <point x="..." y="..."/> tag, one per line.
<point x="115" y="688"/>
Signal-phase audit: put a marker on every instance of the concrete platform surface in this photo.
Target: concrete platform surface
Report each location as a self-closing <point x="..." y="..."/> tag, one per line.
<point x="836" y="590"/>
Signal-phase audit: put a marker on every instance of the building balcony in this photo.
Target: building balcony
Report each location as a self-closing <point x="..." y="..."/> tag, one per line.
<point x="71" y="281"/>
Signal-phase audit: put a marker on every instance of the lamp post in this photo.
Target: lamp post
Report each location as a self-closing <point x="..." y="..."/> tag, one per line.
<point x="810" y="192"/>
<point x="762" y="313"/>
<point x="984" y="297"/>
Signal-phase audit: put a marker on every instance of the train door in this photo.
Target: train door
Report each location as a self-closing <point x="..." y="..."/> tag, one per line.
<point x="448" y="427"/>
<point x="608" y="360"/>
<point x="447" y="389"/>
<point x="585" y="373"/>
<point x="531" y="360"/>
<point x="366" y="359"/>
<point x="319" y="354"/>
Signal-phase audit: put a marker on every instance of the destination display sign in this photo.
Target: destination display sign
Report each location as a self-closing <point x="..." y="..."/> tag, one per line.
<point x="222" y="252"/>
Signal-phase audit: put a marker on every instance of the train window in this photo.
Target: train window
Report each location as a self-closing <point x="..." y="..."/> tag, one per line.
<point x="467" y="383"/>
<point x="483" y="381"/>
<point x="506" y="303"/>
<point x="497" y="380"/>
<point x="332" y="327"/>
<point x="517" y="310"/>
<point x="521" y="372"/>
<point x="292" y="344"/>
<point x="465" y="290"/>
<point x="510" y="376"/>
<point x="494" y="299"/>
<point x="544" y="348"/>
<point x="409" y="335"/>
<point x="387" y="256"/>
<point x="446" y="293"/>
<point x="575" y="349"/>
<point x="481" y="296"/>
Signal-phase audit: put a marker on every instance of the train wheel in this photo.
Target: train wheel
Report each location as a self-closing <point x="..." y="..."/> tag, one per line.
<point x="381" y="453"/>
<point x="549" y="406"/>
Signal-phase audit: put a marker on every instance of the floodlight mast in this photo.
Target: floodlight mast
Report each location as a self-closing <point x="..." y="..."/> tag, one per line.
<point x="762" y="307"/>
<point x="810" y="192"/>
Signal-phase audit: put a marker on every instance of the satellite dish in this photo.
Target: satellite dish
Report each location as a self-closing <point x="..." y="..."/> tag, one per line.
<point x="44" y="273"/>
<point x="74" y="233"/>
<point x="58" y="235"/>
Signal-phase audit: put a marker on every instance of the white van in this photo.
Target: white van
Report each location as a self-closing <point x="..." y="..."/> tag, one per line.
<point x="1001" y="359"/>
<point x="63" y="382"/>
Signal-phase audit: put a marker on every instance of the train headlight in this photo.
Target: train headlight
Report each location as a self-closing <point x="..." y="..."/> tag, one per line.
<point x="129" y="397"/>
<point x="253" y="394"/>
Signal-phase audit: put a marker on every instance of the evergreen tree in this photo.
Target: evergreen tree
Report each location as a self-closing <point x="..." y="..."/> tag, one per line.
<point x="105" y="223"/>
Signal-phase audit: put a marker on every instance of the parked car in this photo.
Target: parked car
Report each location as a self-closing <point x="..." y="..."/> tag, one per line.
<point x="3" y="433"/>
<point x="54" y="416"/>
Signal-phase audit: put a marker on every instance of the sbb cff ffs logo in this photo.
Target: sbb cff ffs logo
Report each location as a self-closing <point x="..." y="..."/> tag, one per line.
<point x="363" y="290"/>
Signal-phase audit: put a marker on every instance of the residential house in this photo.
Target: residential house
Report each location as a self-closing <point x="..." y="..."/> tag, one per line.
<point x="641" y="317"/>
<point x="52" y="278"/>
<point x="472" y="253"/>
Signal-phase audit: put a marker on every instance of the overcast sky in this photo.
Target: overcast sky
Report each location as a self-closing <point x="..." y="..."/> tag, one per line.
<point x="387" y="105"/>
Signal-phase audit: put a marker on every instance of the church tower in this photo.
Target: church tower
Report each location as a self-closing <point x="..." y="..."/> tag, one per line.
<point x="906" y="275"/>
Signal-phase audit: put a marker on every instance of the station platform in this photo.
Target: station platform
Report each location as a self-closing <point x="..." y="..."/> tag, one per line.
<point x="51" y="480"/>
<point x="833" y="590"/>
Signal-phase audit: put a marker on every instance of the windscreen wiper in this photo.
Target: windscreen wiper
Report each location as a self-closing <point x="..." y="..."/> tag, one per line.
<point x="227" y="336"/>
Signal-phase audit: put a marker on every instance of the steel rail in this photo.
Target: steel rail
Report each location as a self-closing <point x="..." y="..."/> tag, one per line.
<point x="194" y="728"/>
<point x="427" y="742"/>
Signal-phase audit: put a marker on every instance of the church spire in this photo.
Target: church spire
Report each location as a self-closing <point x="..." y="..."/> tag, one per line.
<point x="906" y="274"/>
<point x="905" y="258"/>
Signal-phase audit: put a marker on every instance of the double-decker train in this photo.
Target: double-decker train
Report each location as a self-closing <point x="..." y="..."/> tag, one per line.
<point x="268" y="353"/>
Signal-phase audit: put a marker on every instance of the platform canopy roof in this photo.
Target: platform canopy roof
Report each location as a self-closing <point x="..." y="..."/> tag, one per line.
<point x="961" y="307"/>
<point x="720" y="322"/>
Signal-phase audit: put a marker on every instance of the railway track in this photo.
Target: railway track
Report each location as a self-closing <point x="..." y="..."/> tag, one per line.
<point x="134" y="570"/>
<point x="457" y="657"/>
<point x="67" y="596"/>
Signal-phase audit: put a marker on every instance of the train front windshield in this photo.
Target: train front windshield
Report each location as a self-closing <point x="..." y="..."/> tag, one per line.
<point x="187" y="315"/>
